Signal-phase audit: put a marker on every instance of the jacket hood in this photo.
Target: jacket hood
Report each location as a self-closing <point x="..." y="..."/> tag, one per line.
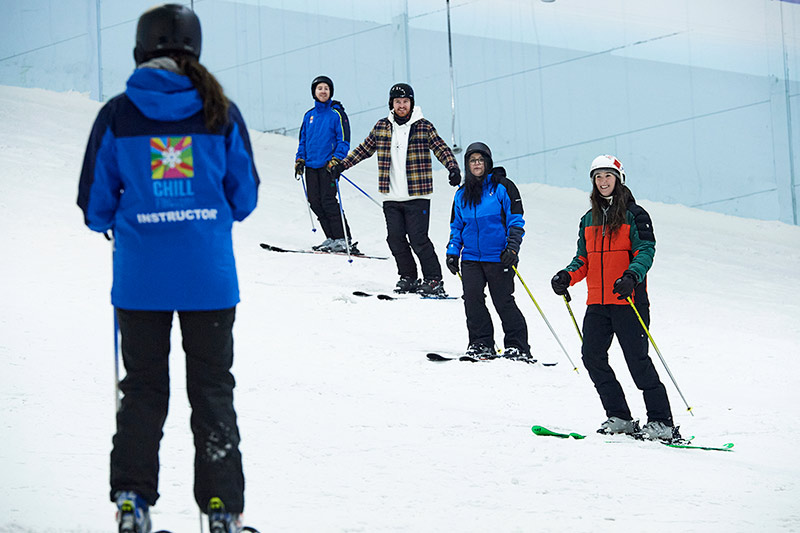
<point x="163" y="95"/>
<point x="416" y="114"/>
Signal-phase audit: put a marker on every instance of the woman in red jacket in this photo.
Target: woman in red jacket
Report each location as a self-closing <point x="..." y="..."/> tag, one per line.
<point x="616" y="245"/>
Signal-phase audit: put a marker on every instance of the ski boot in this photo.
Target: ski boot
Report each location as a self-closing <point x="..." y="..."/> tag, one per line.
<point x="133" y="515"/>
<point x="406" y="284"/>
<point x="324" y="245"/>
<point x="431" y="288"/>
<point x="480" y="351"/>
<point x="515" y="354"/>
<point x="657" y="430"/>
<point x="616" y="425"/>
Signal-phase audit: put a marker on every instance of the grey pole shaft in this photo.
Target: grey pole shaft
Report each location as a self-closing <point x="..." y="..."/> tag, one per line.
<point x="452" y="79"/>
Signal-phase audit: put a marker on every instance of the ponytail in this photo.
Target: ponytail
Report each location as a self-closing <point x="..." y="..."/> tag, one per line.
<point x="215" y="103"/>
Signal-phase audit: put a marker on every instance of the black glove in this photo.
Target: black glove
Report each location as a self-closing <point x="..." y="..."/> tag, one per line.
<point x="560" y="282"/>
<point x="455" y="177"/>
<point x="299" y="167"/>
<point x="509" y="257"/>
<point x="335" y="170"/>
<point x="452" y="264"/>
<point x="624" y="285"/>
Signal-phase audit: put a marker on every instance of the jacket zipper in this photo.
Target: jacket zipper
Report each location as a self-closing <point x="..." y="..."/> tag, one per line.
<point x="602" y="263"/>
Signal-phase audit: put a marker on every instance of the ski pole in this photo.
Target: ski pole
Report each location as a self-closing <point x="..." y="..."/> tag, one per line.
<point x="344" y="224"/>
<point x="567" y="299"/>
<point x="363" y="191"/>
<point x="659" y="355"/>
<point x="575" y="368"/>
<point x="305" y="193"/>
<point x="117" y="399"/>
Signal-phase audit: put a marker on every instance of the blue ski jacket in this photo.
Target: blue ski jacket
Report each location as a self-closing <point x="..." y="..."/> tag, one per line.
<point x="169" y="189"/>
<point x="481" y="232"/>
<point x="324" y="134"/>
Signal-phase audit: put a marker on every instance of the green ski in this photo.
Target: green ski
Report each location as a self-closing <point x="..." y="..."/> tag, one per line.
<point x="544" y="432"/>
<point x="686" y="444"/>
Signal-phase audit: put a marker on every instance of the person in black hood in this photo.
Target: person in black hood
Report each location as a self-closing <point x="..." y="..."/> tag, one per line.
<point x="486" y="229"/>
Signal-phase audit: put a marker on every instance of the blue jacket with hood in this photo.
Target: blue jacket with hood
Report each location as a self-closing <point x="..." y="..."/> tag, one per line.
<point x="481" y="232"/>
<point x="169" y="189"/>
<point x="324" y="134"/>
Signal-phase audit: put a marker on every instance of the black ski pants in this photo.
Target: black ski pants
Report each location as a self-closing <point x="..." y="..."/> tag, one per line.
<point x="322" y="198"/>
<point x="208" y="344"/>
<point x="600" y="325"/>
<point x="407" y="229"/>
<point x="475" y="275"/>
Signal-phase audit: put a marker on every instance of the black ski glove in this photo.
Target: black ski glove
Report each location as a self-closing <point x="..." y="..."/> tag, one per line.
<point x="509" y="257"/>
<point x="624" y="285"/>
<point x="299" y="167"/>
<point x="335" y="170"/>
<point x="455" y="177"/>
<point x="560" y="282"/>
<point x="452" y="264"/>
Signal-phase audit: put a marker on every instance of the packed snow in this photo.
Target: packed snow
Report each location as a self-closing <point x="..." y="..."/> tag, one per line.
<point x="346" y="426"/>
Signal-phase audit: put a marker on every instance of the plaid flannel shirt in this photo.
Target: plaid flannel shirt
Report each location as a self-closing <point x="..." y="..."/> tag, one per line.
<point x="422" y="139"/>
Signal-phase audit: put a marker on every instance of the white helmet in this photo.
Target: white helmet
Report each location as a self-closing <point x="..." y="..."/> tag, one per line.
<point x="607" y="161"/>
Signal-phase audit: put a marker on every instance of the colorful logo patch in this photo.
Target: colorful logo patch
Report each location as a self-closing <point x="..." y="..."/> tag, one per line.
<point x="171" y="157"/>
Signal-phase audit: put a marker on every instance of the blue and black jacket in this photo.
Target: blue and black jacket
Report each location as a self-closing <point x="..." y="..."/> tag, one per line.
<point x="324" y="134"/>
<point x="481" y="232"/>
<point x="169" y="189"/>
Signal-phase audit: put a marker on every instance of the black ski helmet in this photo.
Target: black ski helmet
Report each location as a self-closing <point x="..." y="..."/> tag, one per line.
<point x="479" y="148"/>
<point x="317" y="81"/>
<point x="401" y="90"/>
<point x="167" y="28"/>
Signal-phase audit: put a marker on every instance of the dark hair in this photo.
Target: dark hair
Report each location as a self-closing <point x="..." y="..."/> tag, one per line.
<point x="617" y="212"/>
<point x="473" y="185"/>
<point x="215" y="103"/>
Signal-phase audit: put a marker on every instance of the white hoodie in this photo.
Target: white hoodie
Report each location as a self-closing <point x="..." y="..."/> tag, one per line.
<point x="398" y="182"/>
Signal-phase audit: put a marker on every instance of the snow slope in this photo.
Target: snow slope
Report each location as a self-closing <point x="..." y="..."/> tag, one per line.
<point x="346" y="426"/>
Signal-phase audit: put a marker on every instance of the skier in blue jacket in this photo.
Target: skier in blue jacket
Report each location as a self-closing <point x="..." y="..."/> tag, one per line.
<point x="324" y="142"/>
<point x="486" y="230"/>
<point x="167" y="170"/>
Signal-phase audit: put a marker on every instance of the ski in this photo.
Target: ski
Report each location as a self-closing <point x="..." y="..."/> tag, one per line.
<point x="439" y="358"/>
<point x="681" y="443"/>
<point x="271" y="248"/>
<point x="389" y="297"/>
<point x="544" y="432"/>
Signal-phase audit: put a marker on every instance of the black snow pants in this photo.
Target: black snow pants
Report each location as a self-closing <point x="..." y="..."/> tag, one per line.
<point x="324" y="203"/>
<point x="475" y="275"/>
<point x="407" y="229"/>
<point x="600" y="325"/>
<point x="208" y="344"/>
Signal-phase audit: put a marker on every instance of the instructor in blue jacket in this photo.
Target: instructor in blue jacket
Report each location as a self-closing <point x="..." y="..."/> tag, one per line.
<point x="324" y="140"/>
<point x="168" y="169"/>
<point x="486" y="230"/>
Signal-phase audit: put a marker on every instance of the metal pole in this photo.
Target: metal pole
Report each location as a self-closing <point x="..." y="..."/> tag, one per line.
<point x="117" y="398"/>
<point x="305" y="193"/>
<point x="344" y="224"/>
<point x="362" y="191"/>
<point x="567" y="299"/>
<point x="659" y="355"/>
<point x="575" y="368"/>
<point x="456" y="149"/>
